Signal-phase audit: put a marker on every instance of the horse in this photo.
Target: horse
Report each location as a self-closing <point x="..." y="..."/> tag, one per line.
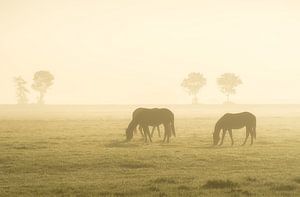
<point x="135" y="112"/>
<point x="152" y="117"/>
<point x="235" y="121"/>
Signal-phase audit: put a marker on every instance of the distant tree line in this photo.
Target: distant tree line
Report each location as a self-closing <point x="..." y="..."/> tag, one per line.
<point x="42" y="80"/>
<point x="227" y="83"/>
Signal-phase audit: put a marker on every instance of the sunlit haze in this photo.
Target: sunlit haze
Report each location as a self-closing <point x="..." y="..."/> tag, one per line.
<point x="138" y="52"/>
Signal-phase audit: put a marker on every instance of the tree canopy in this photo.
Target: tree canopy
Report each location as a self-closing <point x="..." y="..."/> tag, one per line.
<point x="228" y="82"/>
<point x="193" y="83"/>
<point x="42" y="80"/>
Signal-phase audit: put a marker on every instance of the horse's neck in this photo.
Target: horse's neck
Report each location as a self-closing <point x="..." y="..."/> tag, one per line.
<point x="218" y="129"/>
<point x="132" y="125"/>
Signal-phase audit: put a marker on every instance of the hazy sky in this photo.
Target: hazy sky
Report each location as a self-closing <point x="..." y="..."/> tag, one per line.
<point x="119" y="51"/>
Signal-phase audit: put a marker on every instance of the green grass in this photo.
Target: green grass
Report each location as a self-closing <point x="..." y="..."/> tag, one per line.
<point x="88" y="157"/>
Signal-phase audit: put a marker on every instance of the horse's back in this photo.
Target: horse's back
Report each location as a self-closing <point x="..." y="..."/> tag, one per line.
<point x="166" y="112"/>
<point x="154" y="115"/>
<point x="138" y="110"/>
<point x="238" y="120"/>
<point x="243" y="115"/>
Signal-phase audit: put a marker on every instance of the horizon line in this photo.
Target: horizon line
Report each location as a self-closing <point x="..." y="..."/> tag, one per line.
<point x="134" y="104"/>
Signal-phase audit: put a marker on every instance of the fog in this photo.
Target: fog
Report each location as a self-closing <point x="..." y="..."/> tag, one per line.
<point x="138" y="52"/>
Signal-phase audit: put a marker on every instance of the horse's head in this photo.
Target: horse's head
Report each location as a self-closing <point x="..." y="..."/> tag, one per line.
<point x="129" y="134"/>
<point x="216" y="136"/>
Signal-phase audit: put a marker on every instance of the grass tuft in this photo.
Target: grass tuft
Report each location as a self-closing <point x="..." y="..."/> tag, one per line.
<point x="250" y="179"/>
<point x="162" y="194"/>
<point x="239" y="191"/>
<point x="246" y="193"/>
<point x="219" y="184"/>
<point x="104" y="193"/>
<point x="119" y="194"/>
<point x="154" y="189"/>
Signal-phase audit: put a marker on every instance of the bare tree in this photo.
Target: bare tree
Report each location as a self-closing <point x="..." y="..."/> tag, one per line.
<point x="227" y="83"/>
<point x="41" y="82"/>
<point x="193" y="83"/>
<point x="21" y="90"/>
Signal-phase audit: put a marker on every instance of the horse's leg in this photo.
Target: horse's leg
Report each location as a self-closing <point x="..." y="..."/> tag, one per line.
<point x="251" y="133"/>
<point x="168" y="131"/>
<point x="149" y="136"/>
<point x="152" y="132"/>
<point x="247" y="135"/>
<point x="141" y="131"/>
<point x="166" y="137"/>
<point x="223" y="136"/>
<point x="135" y="130"/>
<point x="147" y="133"/>
<point x="158" y="131"/>
<point x="230" y="134"/>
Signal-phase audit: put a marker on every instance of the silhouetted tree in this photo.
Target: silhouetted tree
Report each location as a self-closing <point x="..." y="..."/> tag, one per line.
<point x="21" y="90"/>
<point x="227" y="83"/>
<point x="193" y="83"/>
<point x="41" y="82"/>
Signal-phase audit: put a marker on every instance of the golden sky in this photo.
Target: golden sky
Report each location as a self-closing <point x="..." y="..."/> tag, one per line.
<point x="133" y="52"/>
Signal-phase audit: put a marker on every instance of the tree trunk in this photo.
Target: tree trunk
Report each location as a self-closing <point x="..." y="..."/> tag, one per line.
<point x="41" y="98"/>
<point x="195" y="99"/>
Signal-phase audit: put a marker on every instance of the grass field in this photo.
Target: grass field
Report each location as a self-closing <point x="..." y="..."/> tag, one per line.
<point x="84" y="154"/>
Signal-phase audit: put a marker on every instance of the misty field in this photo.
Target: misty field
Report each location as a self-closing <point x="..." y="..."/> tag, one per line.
<point x="84" y="154"/>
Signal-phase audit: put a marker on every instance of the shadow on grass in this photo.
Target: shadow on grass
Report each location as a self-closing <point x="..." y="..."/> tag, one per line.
<point x="297" y="180"/>
<point x="219" y="184"/>
<point x="183" y="188"/>
<point x="120" y="144"/>
<point x="164" y="180"/>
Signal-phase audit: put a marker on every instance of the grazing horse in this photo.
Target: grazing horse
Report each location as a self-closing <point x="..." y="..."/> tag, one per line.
<point x="235" y="121"/>
<point x="135" y="112"/>
<point x="152" y="117"/>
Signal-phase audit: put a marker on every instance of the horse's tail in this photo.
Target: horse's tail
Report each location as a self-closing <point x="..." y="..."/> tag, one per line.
<point x="173" y="128"/>
<point x="254" y="129"/>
